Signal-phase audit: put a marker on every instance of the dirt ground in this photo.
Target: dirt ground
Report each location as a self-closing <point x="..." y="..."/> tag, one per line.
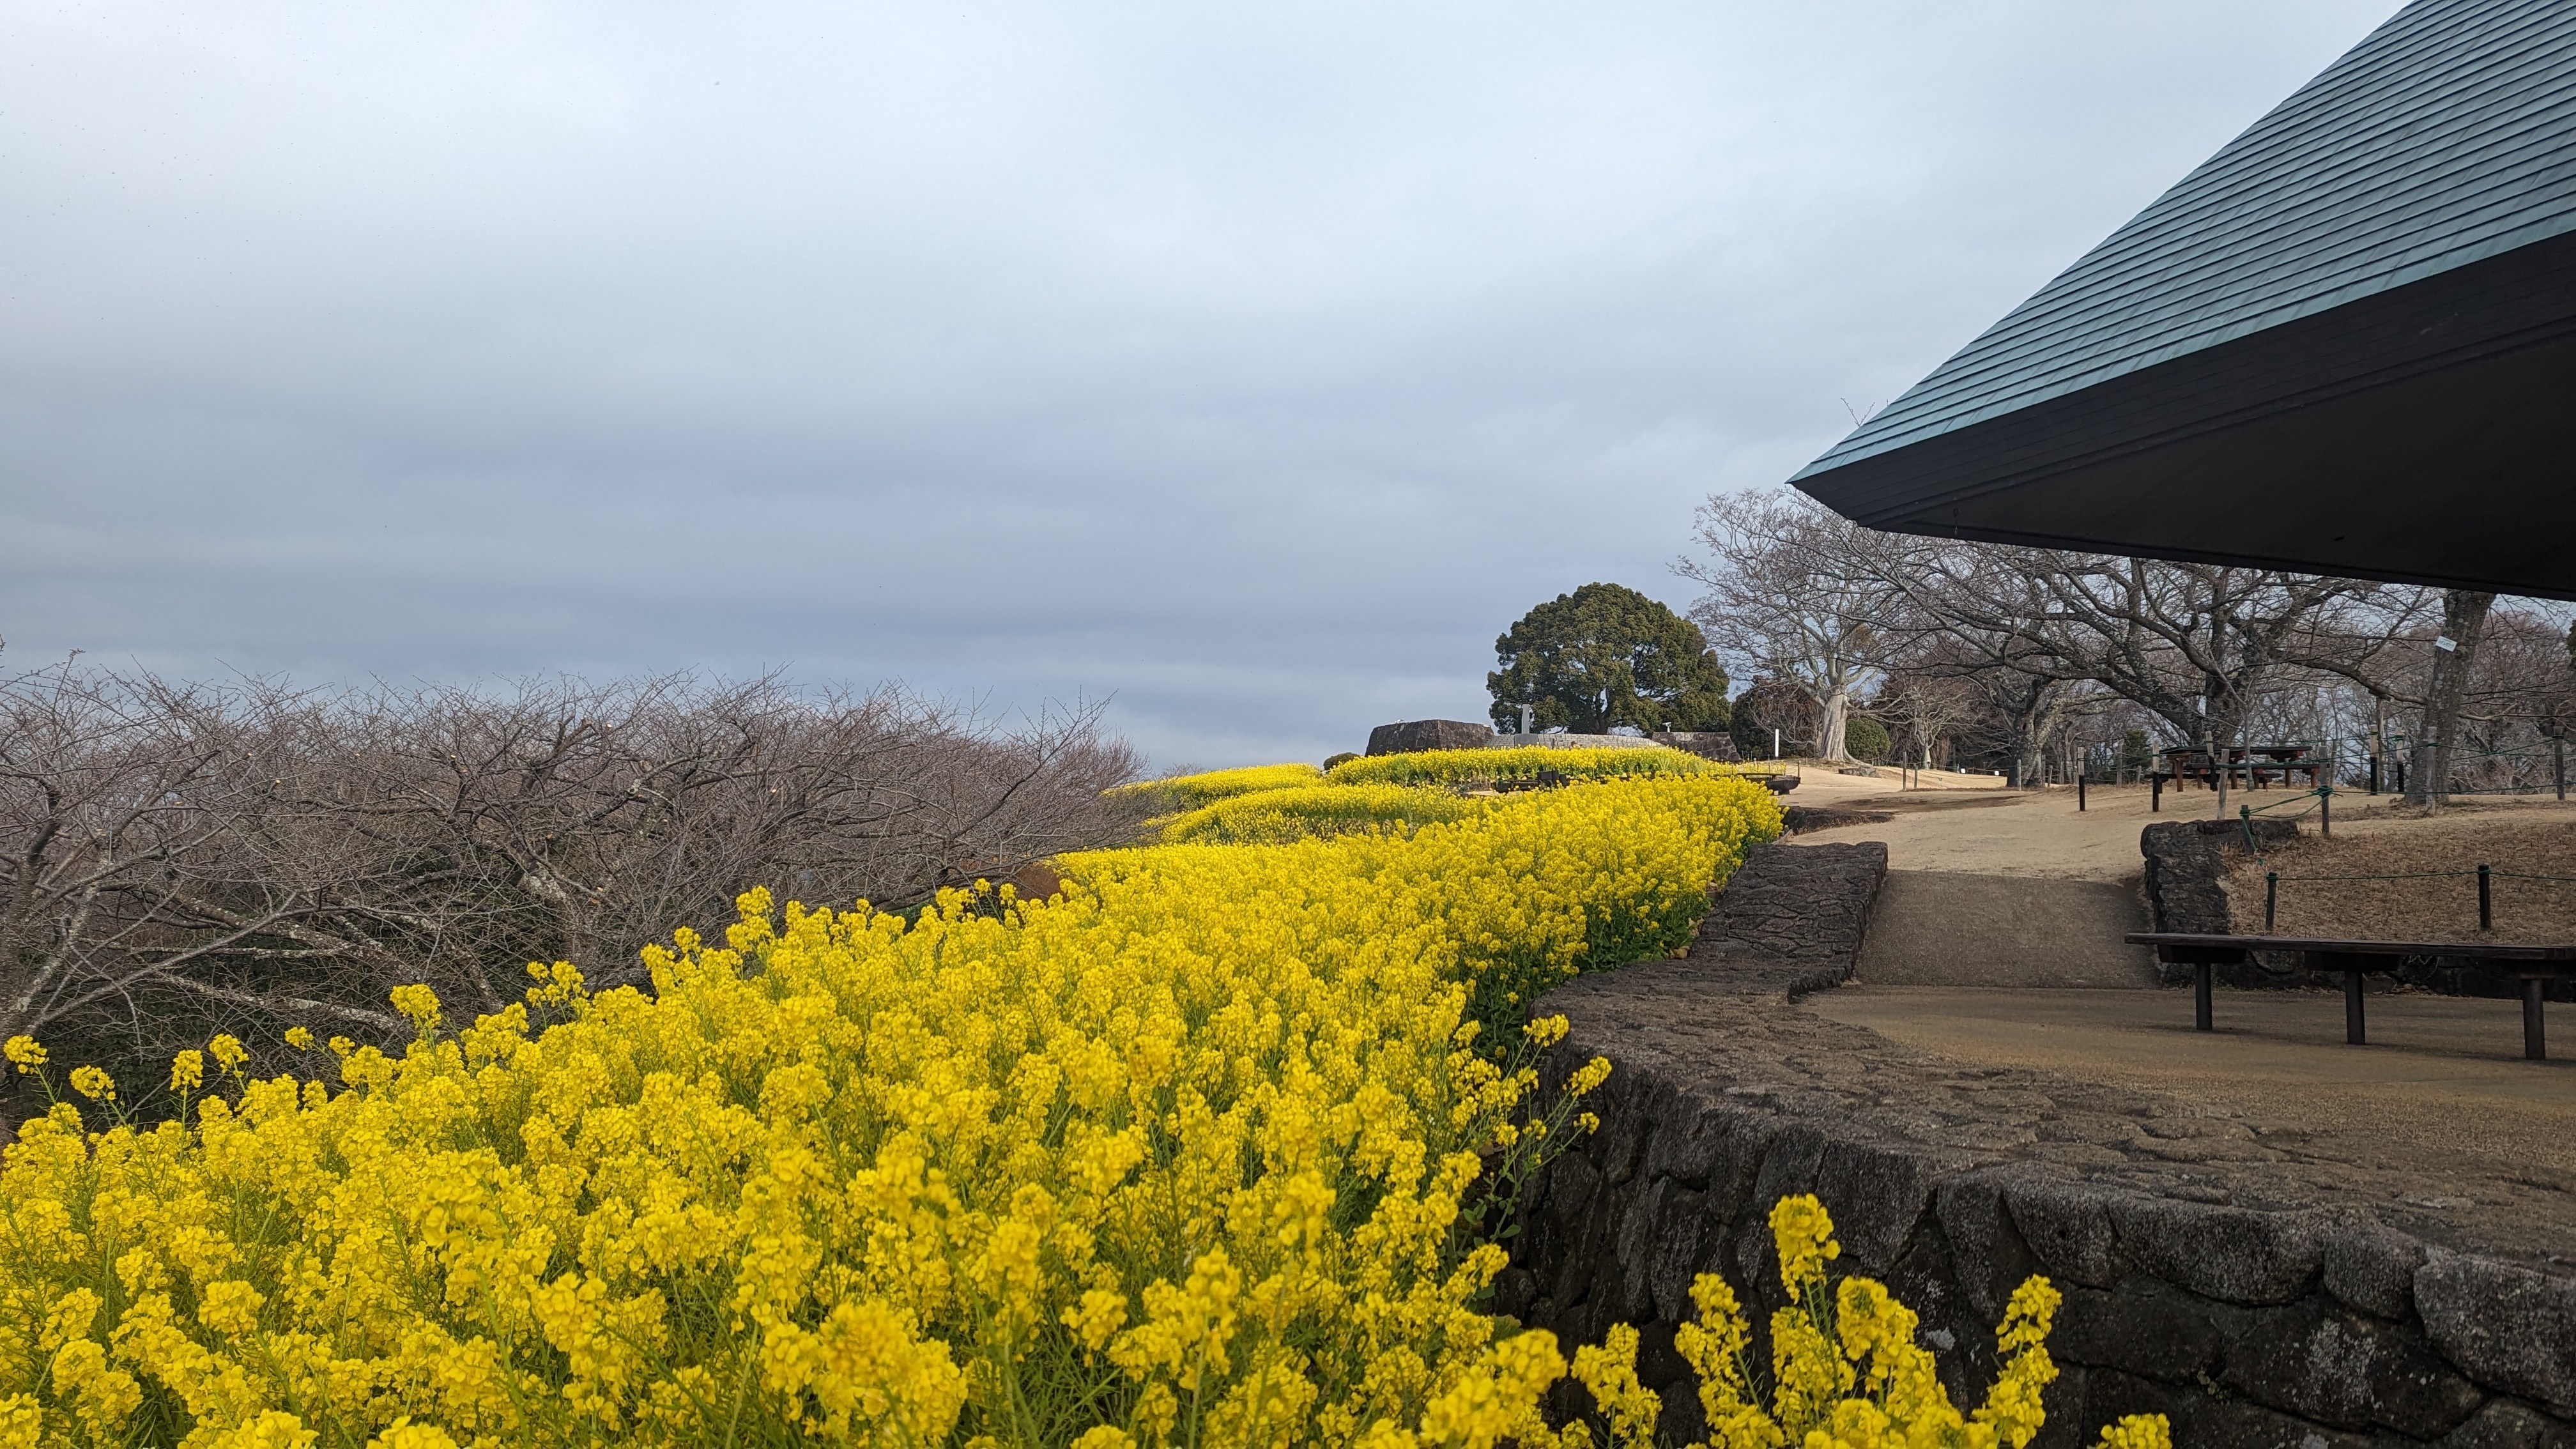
<point x="2441" y="1073"/>
<point x="1984" y="829"/>
<point x="2441" y="853"/>
<point x="1987" y="830"/>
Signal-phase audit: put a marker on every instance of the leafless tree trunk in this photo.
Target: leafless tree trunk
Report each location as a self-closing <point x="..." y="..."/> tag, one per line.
<point x="1786" y="601"/>
<point x="2464" y="627"/>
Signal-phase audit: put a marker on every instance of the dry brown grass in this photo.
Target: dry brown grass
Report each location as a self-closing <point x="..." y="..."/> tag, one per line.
<point x="2429" y="902"/>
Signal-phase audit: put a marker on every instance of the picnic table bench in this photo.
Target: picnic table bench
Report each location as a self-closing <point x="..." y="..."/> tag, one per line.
<point x="2534" y="965"/>
<point x="2253" y="764"/>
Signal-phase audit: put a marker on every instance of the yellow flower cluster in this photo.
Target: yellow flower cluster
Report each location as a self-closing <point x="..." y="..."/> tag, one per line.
<point x="1522" y="762"/>
<point x="1180" y="793"/>
<point x="1533" y="888"/>
<point x="1273" y="817"/>
<point x="1847" y="1370"/>
<point x="1207" y="1150"/>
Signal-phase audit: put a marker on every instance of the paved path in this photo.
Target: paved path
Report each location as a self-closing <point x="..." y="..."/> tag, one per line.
<point x="2441" y="1072"/>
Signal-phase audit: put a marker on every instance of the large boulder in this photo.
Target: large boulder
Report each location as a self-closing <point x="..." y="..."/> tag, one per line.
<point x="1707" y="744"/>
<point x="1429" y="734"/>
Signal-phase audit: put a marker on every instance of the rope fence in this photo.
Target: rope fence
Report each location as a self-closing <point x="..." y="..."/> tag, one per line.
<point x="2321" y="799"/>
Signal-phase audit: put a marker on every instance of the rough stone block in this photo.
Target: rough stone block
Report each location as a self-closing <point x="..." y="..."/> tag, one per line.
<point x="2324" y="1362"/>
<point x="1876" y="1194"/>
<point x="2235" y="1254"/>
<point x="2504" y="1325"/>
<point x="1429" y="734"/>
<point x="1660" y="1366"/>
<point x="2063" y="1402"/>
<point x="2145" y="1327"/>
<point x="1571" y="1181"/>
<point x="1672" y="1256"/>
<point x="1636" y="1248"/>
<point x="2511" y="1424"/>
<point x="2372" y="1268"/>
<point x="2206" y="1420"/>
<point x="1625" y="1126"/>
<point x="2068" y="1228"/>
<point x="1790" y="1166"/>
<point x="1986" y="1249"/>
<point x="1688" y="1142"/>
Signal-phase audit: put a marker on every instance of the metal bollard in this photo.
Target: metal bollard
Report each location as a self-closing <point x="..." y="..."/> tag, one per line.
<point x="2271" y="896"/>
<point x="2486" y="906"/>
<point x="2155" y="794"/>
<point x="2079" y="792"/>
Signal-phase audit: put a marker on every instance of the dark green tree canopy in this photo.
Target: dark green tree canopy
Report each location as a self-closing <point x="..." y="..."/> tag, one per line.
<point x="1605" y="655"/>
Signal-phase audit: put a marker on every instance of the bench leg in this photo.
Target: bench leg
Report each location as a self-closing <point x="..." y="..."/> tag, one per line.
<point x="2200" y="996"/>
<point x="2352" y="1028"/>
<point x="2535" y="1044"/>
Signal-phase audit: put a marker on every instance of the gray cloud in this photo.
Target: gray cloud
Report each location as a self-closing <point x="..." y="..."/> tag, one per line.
<point x="1256" y="366"/>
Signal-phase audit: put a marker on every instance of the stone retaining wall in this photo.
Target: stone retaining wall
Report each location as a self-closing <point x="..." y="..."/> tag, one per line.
<point x="2258" y="1284"/>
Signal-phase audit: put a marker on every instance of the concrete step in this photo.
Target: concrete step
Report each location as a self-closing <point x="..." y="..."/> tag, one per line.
<point x="1940" y="928"/>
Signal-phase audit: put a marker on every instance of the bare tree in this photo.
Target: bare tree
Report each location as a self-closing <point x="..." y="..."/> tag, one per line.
<point x="2198" y="646"/>
<point x="1928" y="707"/>
<point x="2455" y="655"/>
<point x="181" y="859"/>
<point x="1793" y="596"/>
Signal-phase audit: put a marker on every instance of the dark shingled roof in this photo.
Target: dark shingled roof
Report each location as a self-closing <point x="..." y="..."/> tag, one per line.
<point x="2445" y="141"/>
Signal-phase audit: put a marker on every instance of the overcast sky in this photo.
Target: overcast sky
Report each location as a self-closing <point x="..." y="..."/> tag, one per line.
<point x="1255" y="366"/>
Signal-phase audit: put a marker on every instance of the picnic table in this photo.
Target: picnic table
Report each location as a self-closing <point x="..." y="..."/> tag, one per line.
<point x="2535" y="966"/>
<point x="2251" y="763"/>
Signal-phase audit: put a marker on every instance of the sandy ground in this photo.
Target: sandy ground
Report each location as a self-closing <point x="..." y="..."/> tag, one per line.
<point x="2441" y="1072"/>
<point x="1991" y="831"/>
<point x="1987" y="830"/>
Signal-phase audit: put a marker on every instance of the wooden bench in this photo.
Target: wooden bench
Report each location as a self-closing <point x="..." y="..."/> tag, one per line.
<point x="2534" y="965"/>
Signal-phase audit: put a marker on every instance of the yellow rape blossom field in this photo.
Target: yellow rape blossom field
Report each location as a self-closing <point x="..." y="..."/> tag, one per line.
<point x="1188" y="792"/>
<point x="1212" y="1148"/>
<point x="1272" y="817"/>
<point x="1523" y="762"/>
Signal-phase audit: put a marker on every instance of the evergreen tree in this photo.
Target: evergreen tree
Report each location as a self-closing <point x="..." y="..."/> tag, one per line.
<point x="1603" y="656"/>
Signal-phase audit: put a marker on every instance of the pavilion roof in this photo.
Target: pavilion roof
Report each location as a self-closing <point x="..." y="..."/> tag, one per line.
<point x="2428" y="167"/>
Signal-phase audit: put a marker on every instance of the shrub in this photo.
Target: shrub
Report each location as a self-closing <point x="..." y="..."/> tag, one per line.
<point x="1208" y="1149"/>
<point x="1460" y="767"/>
<point x="1344" y="758"/>
<point x="1865" y="739"/>
<point x="1274" y="817"/>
